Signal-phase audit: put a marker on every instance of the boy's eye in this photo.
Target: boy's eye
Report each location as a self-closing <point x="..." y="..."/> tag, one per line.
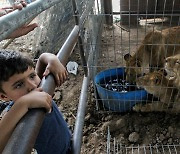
<point x="32" y="76"/>
<point x="19" y="85"/>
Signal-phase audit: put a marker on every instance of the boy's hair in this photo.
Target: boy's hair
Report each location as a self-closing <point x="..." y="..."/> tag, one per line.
<point x="12" y="62"/>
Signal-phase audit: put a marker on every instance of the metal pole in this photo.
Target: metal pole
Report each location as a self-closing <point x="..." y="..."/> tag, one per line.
<point x="78" y="130"/>
<point x="24" y="136"/>
<point x="77" y="136"/>
<point x="108" y="12"/>
<point x="80" y="41"/>
<point x="15" y="19"/>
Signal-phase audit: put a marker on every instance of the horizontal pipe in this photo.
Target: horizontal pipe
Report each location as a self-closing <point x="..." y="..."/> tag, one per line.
<point x="15" y="19"/>
<point x="162" y="13"/>
<point x="23" y="138"/>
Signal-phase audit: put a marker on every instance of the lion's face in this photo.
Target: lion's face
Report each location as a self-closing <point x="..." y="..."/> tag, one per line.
<point x="172" y="65"/>
<point x="152" y="82"/>
<point x="133" y="69"/>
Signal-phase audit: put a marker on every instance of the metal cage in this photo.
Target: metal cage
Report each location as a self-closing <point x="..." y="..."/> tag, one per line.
<point x="107" y="30"/>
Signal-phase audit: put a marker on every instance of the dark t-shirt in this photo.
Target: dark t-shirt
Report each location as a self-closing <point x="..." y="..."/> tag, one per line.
<point x="54" y="136"/>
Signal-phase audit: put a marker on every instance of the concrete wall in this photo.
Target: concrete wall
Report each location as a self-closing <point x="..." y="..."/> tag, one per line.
<point x="56" y="24"/>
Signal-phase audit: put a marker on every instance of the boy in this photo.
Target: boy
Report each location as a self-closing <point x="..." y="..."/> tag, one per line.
<point x="19" y="83"/>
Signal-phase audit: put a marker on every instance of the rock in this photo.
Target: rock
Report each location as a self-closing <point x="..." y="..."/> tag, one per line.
<point x="137" y="128"/>
<point x="109" y="117"/>
<point x="170" y="129"/>
<point x="92" y="121"/>
<point x="88" y="116"/>
<point x="92" y="151"/>
<point x="121" y="138"/>
<point x="104" y="127"/>
<point x="133" y="137"/>
<point x="161" y="137"/>
<point x="84" y="139"/>
<point x="71" y="121"/>
<point x="170" y="141"/>
<point x="57" y="95"/>
<point x="121" y="123"/>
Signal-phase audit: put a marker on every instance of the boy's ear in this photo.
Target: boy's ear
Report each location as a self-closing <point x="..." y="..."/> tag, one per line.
<point x="3" y="97"/>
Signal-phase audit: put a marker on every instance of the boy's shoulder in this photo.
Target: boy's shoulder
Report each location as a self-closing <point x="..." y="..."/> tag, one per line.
<point x="4" y="108"/>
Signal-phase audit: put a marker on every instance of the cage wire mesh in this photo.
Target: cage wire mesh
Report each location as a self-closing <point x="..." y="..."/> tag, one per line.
<point x="127" y="24"/>
<point x="130" y="34"/>
<point x="125" y="28"/>
<point x="116" y="147"/>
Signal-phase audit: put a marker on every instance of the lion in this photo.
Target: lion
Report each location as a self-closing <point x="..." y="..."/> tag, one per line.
<point x="172" y="67"/>
<point x="151" y="55"/>
<point x="159" y="86"/>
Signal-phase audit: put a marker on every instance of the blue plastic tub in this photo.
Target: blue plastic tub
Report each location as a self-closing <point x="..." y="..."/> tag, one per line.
<point x="114" y="100"/>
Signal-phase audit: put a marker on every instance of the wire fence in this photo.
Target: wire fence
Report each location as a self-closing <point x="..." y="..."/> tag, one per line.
<point x="106" y="36"/>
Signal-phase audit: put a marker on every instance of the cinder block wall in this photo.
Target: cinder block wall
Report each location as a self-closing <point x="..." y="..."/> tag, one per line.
<point x="56" y="24"/>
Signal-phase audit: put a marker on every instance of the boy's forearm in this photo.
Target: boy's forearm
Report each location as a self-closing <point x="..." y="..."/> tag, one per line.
<point x="9" y="122"/>
<point x="45" y="58"/>
<point x="42" y="62"/>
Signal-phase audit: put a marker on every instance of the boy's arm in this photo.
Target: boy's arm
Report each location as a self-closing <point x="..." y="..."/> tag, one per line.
<point x="34" y="99"/>
<point x="49" y="63"/>
<point x="22" y="30"/>
<point x="8" y="123"/>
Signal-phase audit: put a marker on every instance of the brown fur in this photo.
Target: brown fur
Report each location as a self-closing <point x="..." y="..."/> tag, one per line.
<point x="157" y="84"/>
<point x="172" y="66"/>
<point x="151" y="54"/>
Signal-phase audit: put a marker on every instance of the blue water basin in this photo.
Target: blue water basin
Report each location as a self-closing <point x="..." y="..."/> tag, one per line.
<point x="113" y="99"/>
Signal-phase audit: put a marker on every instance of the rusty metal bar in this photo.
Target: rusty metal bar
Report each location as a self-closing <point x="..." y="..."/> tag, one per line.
<point x="82" y="54"/>
<point x="76" y="13"/>
<point x="15" y="19"/>
<point x="24" y="135"/>
<point x="80" y="41"/>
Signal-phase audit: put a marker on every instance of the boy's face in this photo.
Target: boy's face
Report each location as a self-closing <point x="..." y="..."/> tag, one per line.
<point x="20" y="84"/>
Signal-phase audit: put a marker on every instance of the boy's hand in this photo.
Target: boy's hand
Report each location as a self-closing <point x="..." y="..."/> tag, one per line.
<point x="17" y="5"/>
<point x="54" y="66"/>
<point x="36" y="99"/>
<point x="22" y="30"/>
<point x="57" y="69"/>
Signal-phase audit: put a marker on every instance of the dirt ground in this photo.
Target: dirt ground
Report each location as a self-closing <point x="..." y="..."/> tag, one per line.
<point x="130" y="132"/>
<point x="142" y="132"/>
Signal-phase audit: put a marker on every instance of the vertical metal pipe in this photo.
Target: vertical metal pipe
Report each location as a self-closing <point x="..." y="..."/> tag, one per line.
<point x="78" y="130"/>
<point x="75" y="12"/>
<point x="24" y="136"/>
<point x="82" y="54"/>
<point x="80" y="41"/>
<point x="108" y="12"/>
<point x="77" y="136"/>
